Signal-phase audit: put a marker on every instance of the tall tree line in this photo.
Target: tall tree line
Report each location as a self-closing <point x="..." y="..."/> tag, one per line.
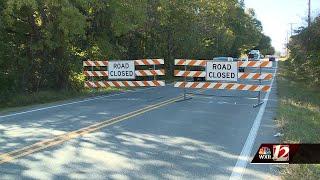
<point x="43" y="42"/>
<point x="304" y="60"/>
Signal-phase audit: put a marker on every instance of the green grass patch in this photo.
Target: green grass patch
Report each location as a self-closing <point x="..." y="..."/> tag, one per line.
<point x="298" y="118"/>
<point x="41" y="97"/>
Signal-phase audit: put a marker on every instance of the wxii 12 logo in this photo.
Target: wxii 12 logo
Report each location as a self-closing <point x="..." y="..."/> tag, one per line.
<point x="280" y="153"/>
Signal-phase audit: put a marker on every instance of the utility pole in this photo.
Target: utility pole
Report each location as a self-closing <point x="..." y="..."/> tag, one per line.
<point x="309" y="13"/>
<point x="291" y="29"/>
<point x="309" y="24"/>
<point x="287" y="45"/>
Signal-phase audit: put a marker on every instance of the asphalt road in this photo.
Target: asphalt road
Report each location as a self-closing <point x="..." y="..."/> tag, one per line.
<point x="147" y="133"/>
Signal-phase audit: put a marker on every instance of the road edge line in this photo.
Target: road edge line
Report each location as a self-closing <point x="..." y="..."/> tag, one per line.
<point x="243" y="159"/>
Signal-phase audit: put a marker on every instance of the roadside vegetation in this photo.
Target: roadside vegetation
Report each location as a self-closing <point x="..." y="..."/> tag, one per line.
<point x="43" y="42"/>
<point x="299" y="97"/>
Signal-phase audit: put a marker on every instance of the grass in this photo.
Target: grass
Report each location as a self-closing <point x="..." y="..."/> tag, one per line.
<point x="298" y="118"/>
<point x="21" y="100"/>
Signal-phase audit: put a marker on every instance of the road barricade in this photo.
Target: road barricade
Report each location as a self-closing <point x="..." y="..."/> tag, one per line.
<point x="101" y="74"/>
<point x="222" y="70"/>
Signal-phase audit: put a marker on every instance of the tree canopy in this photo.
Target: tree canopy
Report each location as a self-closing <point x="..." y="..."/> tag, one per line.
<point x="304" y="57"/>
<point x="43" y="42"/>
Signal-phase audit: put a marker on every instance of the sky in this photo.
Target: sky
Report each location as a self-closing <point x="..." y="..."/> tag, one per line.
<point x="275" y="16"/>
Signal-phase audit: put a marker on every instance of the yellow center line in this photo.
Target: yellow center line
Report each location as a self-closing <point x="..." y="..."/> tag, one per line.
<point x="10" y="156"/>
<point x="95" y="126"/>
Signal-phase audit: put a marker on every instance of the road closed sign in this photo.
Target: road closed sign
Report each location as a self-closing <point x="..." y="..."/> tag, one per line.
<point x="121" y="70"/>
<point x="221" y="71"/>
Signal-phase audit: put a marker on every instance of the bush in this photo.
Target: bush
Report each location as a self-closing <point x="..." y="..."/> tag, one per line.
<point x="304" y="61"/>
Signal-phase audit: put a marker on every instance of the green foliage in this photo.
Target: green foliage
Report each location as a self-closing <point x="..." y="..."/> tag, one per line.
<point x="304" y="61"/>
<point x="43" y="42"/>
<point x="298" y="88"/>
<point x="265" y="46"/>
<point x="298" y="117"/>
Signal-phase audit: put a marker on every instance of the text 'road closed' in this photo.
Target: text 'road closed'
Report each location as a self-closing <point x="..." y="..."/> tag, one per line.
<point x="121" y="70"/>
<point x="221" y="71"/>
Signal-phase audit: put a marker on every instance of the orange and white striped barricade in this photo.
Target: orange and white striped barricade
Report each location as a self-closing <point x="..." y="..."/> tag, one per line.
<point x="191" y="62"/>
<point x="97" y="71"/>
<point x="227" y="86"/>
<point x="255" y="76"/>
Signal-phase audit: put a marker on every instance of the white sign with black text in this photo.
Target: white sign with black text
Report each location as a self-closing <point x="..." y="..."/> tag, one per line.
<point x="121" y="70"/>
<point x="221" y="71"/>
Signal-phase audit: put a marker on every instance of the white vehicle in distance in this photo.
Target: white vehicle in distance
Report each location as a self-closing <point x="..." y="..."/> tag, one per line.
<point x="254" y="55"/>
<point x="223" y="59"/>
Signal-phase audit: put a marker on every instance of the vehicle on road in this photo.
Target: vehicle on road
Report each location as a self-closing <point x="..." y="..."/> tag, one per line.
<point x="223" y="59"/>
<point x="254" y="55"/>
<point x="272" y="58"/>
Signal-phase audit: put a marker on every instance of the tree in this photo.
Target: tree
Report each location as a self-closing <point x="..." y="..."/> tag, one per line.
<point x="265" y="46"/>
<point x="304" y="57"/>
<point x="43" y="42"/>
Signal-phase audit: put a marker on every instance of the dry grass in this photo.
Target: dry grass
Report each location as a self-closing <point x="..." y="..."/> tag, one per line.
<point x="298" y="118"/>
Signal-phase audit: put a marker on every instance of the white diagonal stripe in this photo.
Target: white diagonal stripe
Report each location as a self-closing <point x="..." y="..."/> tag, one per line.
<point x="101" y="84"/>
<point x="99" y="73"/>
<point x="150" y="83"/>
<point x="211" y="85"/>
<point x="269" y="64"/>
<point x="120" y="83"/>
<point x="259" y="88"/>
<point x="139" y="62"/>
<point x="234" y="86"/>
<point x="189" y="84"/>
<point x="150" y="61"/>
<point x="177" y="84"/>
<point x="250" y="76"/>
<point x="246" y="87"/>
<point x="110" y="83"/>
<point x="160" y="72"/>
<point x="245" y="64"/>
<point x="263" y="76"/>
<point x="161" y="61"/>
<point x="223" y="86"/>
<point x="191" y="73"/>
<point x="92" y="84"/>
<point x="148" y="72"/>
<point x="138" y="73"/>
<point x="130" y="83"/>
<point x="140" y="83"/>
<point x="200" y="85"/>
<point x="162" y="83"/>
